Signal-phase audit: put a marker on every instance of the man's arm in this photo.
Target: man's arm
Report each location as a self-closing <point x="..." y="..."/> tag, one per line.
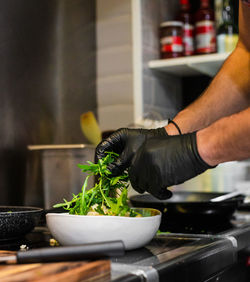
<point x="157" y="160"/>
<point x="226" y="140"/>
<point x="229" y="91"/>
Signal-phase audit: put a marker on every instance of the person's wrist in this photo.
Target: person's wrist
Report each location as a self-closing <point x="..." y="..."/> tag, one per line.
<point x="205" y="149"/>
<point x="171" y="129"/>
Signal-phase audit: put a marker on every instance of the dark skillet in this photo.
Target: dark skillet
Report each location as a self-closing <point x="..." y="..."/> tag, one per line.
<point x="16" y="221"/>
<point x="196" y="205"/>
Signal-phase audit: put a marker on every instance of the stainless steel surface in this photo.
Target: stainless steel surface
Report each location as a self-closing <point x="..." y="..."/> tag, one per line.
<point x="242" y="233"/>
<point x="65" y="146"/>
<point x="52" y="173"/>
<point x="147" y="273"/>
<point x="47" y="79"/>
<point x="160" y="258"/>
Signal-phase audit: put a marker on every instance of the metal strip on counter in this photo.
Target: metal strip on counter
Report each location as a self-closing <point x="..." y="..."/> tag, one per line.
<point x="233" y="241"/>
<point x="149" y="273"/>
<point x="240" y="237"/>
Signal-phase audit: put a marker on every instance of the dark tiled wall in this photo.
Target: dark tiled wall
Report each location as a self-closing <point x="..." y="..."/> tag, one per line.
<point x="47" y="79"/>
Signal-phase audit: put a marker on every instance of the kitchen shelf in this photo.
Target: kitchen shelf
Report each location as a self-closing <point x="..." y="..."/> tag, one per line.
<point x="190" y="66"/>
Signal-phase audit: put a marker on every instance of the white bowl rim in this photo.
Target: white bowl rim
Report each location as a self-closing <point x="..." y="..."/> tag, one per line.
<point x="110" y="216"/>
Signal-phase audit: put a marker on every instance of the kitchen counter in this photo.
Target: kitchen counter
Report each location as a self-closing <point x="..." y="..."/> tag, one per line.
<point x="175" y="256"/>
<point x="189" y="257"/>
<point x="167" y="254"/>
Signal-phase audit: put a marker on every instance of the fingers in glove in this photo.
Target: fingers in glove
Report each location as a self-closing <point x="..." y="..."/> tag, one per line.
<point x="145" y="184"/>
<point x="100" y="150"/>
<point x="121" y="163"/>
<point x="111" y="144"/>
<point x="136" y="175"/>
<point x="134" y="182"/>
<point x="161" y="194"/>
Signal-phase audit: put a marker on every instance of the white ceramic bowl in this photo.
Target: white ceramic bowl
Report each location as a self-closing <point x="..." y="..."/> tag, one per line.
<point x="135" y="232"/>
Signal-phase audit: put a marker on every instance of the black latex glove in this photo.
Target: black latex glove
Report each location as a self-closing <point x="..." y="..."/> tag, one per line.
<point x="126" y="143"/>
<point x="163" y="162"/>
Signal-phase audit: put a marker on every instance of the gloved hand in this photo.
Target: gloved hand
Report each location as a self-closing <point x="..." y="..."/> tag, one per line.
<point x="126" y="142"/>
<point x="162" y="162"/>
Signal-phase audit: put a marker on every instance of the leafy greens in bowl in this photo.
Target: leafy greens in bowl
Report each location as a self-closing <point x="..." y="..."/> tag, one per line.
<point x="107" y="197"/>
<point x="102" y="213"/>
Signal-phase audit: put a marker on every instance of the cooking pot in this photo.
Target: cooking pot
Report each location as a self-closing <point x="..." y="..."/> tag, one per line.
<point x="16" y="221"/>
<point x="53" y="174"/>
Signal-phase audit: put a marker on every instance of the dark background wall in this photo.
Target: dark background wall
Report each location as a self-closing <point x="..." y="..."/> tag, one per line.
<point x="47" y="79"/>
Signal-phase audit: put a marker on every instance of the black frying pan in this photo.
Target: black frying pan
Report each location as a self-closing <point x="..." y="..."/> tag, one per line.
<point x="191" y="205"/>
<point x="16" y="221"/>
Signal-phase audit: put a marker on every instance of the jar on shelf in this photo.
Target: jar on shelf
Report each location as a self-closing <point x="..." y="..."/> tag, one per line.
<point x="205" y="33"/>
<point x="186" y="17"/>
<point x="171" y="40"/>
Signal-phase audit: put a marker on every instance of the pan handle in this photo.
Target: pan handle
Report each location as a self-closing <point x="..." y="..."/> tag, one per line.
<point x="226" y="196"/>
<point x="72" y="253"/>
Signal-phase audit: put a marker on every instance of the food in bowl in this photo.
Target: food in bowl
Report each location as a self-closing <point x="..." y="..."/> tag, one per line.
<point x="135" y="232"/>
<point x="107" y="197"/>
<point x="102" y="213"/>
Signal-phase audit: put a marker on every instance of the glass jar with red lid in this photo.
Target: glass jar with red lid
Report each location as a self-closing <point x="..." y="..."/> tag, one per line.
<point x="171" y="42"/>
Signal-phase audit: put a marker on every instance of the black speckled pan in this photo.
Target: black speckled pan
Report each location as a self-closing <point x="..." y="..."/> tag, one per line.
<point x="16" y="221"/>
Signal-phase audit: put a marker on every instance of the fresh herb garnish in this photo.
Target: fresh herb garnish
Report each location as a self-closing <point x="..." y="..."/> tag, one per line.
<point x="159" y="232"/>
<point x="107" y="197"/>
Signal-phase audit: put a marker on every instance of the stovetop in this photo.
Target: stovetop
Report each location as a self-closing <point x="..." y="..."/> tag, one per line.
<point x="203" y="226"/>
<point x="188" y="247"/>
<point x="164" y="252"/>
<point x="40" y="236"/>
<point x="217" y="244"/>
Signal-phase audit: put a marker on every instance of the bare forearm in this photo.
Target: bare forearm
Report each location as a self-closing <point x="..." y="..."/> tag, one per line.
<point x="227" y="94"/>
<point x="226" y="140"/>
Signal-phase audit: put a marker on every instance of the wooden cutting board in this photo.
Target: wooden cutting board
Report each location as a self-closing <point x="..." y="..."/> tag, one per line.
<point x="98" y="270"/>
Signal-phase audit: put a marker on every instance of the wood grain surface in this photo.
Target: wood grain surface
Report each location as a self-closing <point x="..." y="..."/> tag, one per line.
<point x="98" y="270"/>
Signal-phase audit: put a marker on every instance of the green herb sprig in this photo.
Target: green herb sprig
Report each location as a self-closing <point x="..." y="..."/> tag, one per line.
<point x="107" y="197"/>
